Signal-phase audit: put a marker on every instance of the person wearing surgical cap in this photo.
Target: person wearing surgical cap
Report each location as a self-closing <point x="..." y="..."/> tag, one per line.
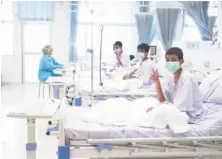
<point x="47" y="66"/>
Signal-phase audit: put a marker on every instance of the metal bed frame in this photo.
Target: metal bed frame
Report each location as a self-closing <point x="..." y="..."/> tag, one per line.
<point x="138" y="147"/>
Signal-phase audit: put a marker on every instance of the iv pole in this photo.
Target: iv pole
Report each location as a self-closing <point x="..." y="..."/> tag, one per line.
<point x="92" y="52"/>
<point x="100" y="60"/>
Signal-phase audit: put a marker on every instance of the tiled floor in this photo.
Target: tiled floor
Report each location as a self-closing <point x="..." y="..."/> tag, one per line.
<point x="13" y="131"/>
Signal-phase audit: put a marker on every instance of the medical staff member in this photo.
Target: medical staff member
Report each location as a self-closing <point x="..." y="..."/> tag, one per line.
<point x="120" y="58"/>
<point x="180" y="89"/>
<point x="144" y="67"/>
<point x="46" y="67"/>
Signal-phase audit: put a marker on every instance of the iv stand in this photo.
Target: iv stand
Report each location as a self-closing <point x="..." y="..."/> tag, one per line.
<point x="100" y="60"/>
<point x="92" y="52"/>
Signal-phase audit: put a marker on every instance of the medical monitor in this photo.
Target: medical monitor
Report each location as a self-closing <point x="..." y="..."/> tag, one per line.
<point x="152" y="51"/>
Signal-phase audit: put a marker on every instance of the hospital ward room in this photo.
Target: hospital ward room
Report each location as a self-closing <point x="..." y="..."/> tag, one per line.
<point x="99" y="79"/>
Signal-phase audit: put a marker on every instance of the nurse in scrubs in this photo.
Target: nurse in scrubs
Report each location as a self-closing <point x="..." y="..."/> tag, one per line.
<point x="47" y="66"/>
<point x="180" y="89"/>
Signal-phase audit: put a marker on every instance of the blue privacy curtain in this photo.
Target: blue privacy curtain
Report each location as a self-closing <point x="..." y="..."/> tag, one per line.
<point x="167" y="21"/>
<point x="145" y="28"/>
<point x="198" y="11"/>
<point x="35" y="10"/>
<point x="211" y="23"/>
<point x="73" y="31"/>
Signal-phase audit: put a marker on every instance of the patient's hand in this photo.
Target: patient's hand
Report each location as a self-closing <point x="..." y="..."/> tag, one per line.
<point x="155" y="76"/>
<point x="126" y="77"/>
<point x="148" y="110"/>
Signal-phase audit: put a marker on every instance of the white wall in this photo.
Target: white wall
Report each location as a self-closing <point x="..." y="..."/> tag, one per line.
<point x="199" y="56"/>
<point x="12" y="64"/>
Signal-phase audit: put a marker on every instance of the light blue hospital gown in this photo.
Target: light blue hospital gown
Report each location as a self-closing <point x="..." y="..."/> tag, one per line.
<point x="185" y="95"/>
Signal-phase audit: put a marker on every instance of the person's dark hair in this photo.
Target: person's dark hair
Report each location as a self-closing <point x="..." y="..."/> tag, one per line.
<point x="175" y="51"/>
<point x="119" y="43"/>
<point x="144" y="46"/>
<point x="132" y="57"/>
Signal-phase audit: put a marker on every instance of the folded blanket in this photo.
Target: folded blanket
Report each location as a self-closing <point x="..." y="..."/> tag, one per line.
<point x="120" y="112"/>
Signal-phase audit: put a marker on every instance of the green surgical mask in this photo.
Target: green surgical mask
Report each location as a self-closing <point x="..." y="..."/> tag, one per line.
<point x="140" y="55"/>
<point x="172" y="67"/>
<point x="118" y="50"/>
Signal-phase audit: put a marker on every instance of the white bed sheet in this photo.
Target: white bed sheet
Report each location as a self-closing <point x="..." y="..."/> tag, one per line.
<point x="110" y="86"/>
<point x="210" y="126"/>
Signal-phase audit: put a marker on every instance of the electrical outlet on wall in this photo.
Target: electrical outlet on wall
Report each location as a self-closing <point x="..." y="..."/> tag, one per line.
<point x="192" y="45"/>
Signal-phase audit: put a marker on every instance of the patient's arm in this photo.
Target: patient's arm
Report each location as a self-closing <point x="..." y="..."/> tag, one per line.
<point x="149" y="109"/>
<point x="159" y="91"/>
<point x="133" y="72"/>
<point x="112" y="69"/>
<point x="130" y="75"/>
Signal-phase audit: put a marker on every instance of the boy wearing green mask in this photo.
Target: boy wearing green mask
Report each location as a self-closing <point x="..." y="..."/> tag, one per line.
<point x="180" y="89"/>
<point x="120" y="59"/>
<point x="145" y="65"/>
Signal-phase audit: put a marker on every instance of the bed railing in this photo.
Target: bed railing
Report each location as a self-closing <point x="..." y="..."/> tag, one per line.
<point x="143" y="147"/>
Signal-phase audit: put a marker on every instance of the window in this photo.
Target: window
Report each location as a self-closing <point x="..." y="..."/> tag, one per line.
<point x="6" y="39"/>
<point x="119" y="24"/>
<point x="144" y="6"/>
<point x="191" y="34"/>
<point x="107" y="12"/>
<point x="6" y="28"/>
<point x="35" y="36"/>
<point x="74" y="6"/>
<point x="6" y="11"/>
<point x="110" y="35"/>
<point x="190" y="31"/>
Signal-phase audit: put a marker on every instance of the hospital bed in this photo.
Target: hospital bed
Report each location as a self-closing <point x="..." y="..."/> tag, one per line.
<point x="113" y="89"/>
<point x="83" y="85"/>
<point x="103" y="94"/>
<point x="92" y="140"/>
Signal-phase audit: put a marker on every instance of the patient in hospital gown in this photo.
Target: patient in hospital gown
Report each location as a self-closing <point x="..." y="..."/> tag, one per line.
<point x="180" y="89"/>
<point x="144" y="66"/>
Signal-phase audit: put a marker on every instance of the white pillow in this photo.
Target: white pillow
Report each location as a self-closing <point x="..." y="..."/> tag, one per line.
<point x="211" y="88"/>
